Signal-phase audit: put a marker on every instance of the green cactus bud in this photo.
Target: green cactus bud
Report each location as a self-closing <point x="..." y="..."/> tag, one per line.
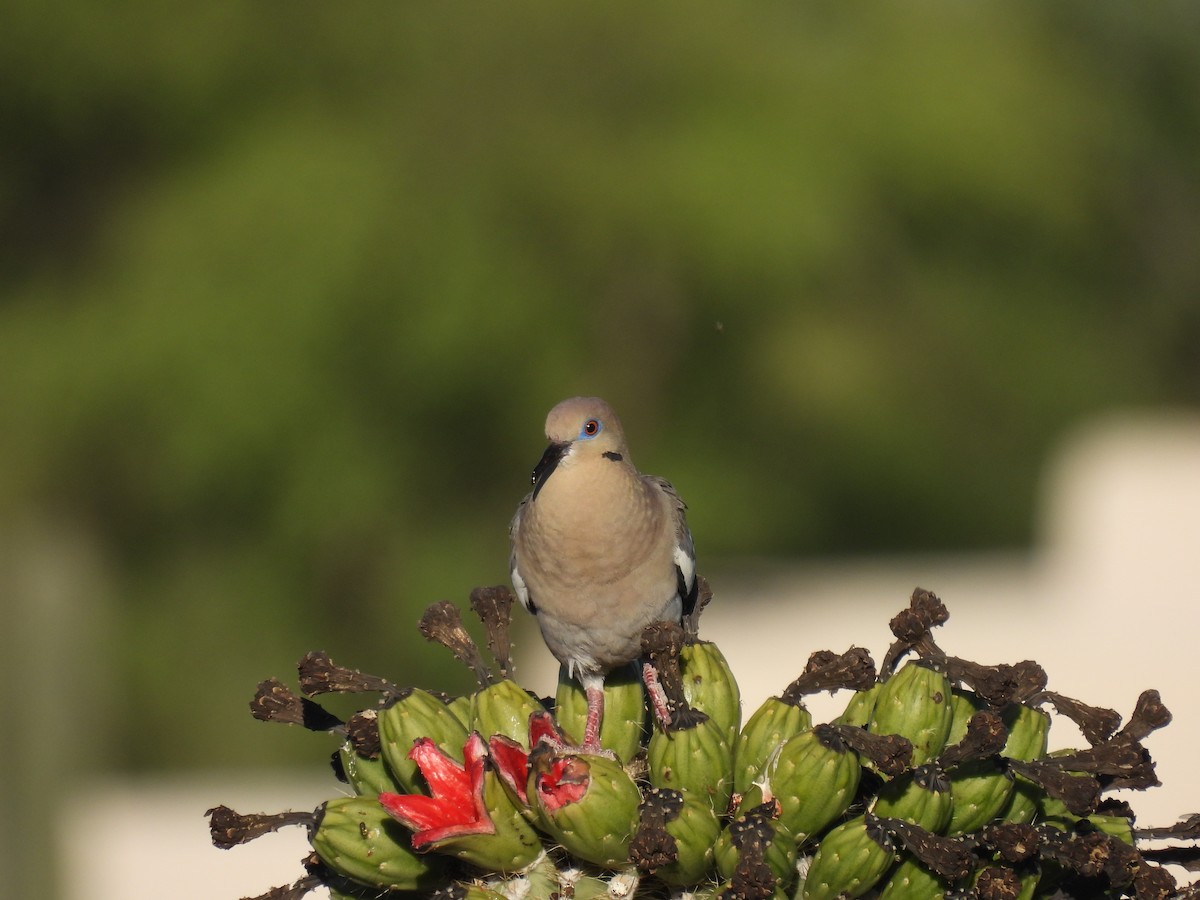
<point x="461" y="708"/>
<point x="369" y="777"/>
<point x="587" y="803"/>
<point x="503" y="708"/>
<point x="1028" y="733"/>
<point x="695" y="758"/>
<point x="1054" y="812"/>
<point x="915" y="703"/>
<point x="772" y="839"/>
<point x="771" y="724"/>
<point x="539" y="881"/>
<point x="1114" y="826"/>
<point x="920" y="796"/>
<point x="912" y="881"/>
<point x="462" y="890"/>
<point x="416" y="715"/>
<point x="709" y="686"/>
<point x="675" y="836"/>
<point x="982" y="790"/>
<point x="579" y="886"/>
<point x="470" y="814"/>
<point x="727" y="889"/>
<point x="356" y="838"/>
<point x="813" y="778"/>
<point x="963" y="705"/>
<point x="859" y="708"/>
<point x="544" y="880"/>
<point x="623" y="725"/>
<point x="850" y="860"/>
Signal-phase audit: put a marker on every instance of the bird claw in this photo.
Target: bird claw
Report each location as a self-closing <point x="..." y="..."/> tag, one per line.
<point x="658" y="697"/>
<point x="566" y="748"/>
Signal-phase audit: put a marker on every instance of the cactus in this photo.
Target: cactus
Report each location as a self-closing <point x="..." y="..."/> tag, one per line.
<point x="709" y="686"/>
<point x="417" y="715"/>
<point x="503" y="708"/>
<point x="764" y="732"/>
<point x="589" y="804"/>
<point x="915" y="703"/>
<point x="676" y="836"/>
<point x="356" y="838"/>
<point x="934" y="782"/>
<point x="695" y="758"/>
<point x="813" y="779"/>
<point x="850" y="860"/>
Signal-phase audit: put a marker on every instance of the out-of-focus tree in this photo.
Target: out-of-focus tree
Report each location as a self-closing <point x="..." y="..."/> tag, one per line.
<point x="286" y="291"/>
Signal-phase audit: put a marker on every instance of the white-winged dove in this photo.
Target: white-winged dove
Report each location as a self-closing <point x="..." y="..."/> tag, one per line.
<point x="598" y="550"/>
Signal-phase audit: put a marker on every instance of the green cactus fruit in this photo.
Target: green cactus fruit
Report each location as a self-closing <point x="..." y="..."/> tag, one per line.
<point x="912" y="881"/>
<point x="813" y="778"/>
<point x="1054" y="812"/>
<point x="545" y="881"/>
<point x="587" y="803"/>
<point x="579" y="886"/>
<point x="503" y="708"/>
<point x="418" y="714"/>
<point x="1114" y="826"/>
<point x="771" y="724"/>
<point x="859" y="708"/>
<point x="356" y="838"/>
<point x="675" y="836"/>
<point x="623" y="725"/>
<point x="709" y="686"/>
<point x="539" y="881"/>
<point x="915" y="703"/>
<point x="982" y="790"/>
<point x="1028" y="733"/>
<point x="920" y="796"/>
<point x="461" y="708"/>
<point x="850" y="860"/>
<point x="695" y="758"/>
<point x="727" y="889"/>
<point x="778" y="845"/>
<point x="466" y="890"/>
<point x="964" y="704"/>
<point x="369" y="777"/>
<point x="522" y="845"/>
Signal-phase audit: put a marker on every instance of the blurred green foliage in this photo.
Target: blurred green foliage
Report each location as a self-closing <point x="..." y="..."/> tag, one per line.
<point x="287" y="289"/>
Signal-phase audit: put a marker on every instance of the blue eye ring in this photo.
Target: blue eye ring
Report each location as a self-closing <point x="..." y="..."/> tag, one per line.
<point x="591" y="428"/>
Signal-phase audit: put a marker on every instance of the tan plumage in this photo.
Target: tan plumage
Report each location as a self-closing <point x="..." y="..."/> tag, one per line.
<point x="598" y="550"/>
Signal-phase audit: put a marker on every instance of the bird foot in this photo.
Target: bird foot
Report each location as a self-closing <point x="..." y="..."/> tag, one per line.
<point x="596" y="750"/>
<point x="567" y="748"/>
<point x="658" y="697"/>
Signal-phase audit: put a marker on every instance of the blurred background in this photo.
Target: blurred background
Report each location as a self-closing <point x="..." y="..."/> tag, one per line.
<point x="286" y="292"/>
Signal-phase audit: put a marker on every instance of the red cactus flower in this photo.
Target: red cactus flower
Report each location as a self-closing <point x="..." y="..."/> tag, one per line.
<point x="456" y="806"/>
<point x="512" y="760"/>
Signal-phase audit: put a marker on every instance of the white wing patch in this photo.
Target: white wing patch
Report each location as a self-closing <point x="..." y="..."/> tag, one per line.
<point x="687" y="565"/>
<point x="519" y="586"/>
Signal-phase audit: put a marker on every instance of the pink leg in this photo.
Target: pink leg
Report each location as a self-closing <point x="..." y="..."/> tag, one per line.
<point x="591" y="732"/>
<point x="593" y="686"/>
<point x="658" y="697"/>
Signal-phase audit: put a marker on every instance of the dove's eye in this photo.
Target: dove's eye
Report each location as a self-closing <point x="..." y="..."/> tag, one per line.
<point x="591" y="428"/>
